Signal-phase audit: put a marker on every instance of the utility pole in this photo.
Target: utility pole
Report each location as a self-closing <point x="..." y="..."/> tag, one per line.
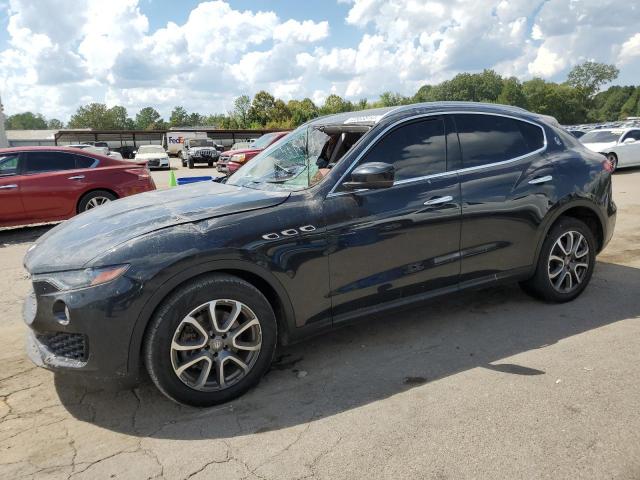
<point x="3" y="136"/>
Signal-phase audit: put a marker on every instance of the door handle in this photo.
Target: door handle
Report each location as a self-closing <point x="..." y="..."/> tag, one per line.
<point x="535" y="181"/>
<point x="439" y="200"/>
<point x="7" y="187"/>
<point x="76" y="177"/>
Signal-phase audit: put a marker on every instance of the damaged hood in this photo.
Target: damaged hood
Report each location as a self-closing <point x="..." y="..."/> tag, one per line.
<point x="75" y="242"/>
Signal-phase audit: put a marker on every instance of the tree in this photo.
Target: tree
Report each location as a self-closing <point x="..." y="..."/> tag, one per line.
<point x="512" y="93"/>
<point x="148" y="119"/>
<point x="335" y="104"/>
<point x="55" y="124"/>
<point x="588" y="77"/>
<point x="261" y="108"/>
<point x="424" y="94"/>
<point x="195" y="119"/>
<point x="609" y="105"/>
<point x="391" y="99"/>
<point x="120" y="119"/>
<point x="560" y="101"/>
<point x="302" y="111"/>
<point x="179" y="117"/>
<point x="94" y="115"/>
<point x="241" y="107"/>
<point x="631" y="106"/>
<point x="26" y="121"/>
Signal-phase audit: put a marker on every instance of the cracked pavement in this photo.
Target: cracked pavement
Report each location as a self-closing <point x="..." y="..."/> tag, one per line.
<point x="487" y="384"/>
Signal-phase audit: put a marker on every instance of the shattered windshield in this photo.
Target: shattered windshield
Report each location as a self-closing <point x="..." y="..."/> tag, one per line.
<point x="291" y="164"/>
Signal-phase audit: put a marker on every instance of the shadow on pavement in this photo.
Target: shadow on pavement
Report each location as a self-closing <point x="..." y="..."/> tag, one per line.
<point x="17" y="235"/>
<point x="373" y="360"/>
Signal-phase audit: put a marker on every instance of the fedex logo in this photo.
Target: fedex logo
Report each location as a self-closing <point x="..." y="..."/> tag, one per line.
<point x="176" y="139"/>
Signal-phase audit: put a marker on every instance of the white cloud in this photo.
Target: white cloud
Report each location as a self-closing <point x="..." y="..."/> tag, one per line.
<point x="630" y="50"/>
<point x="59" y="57"/>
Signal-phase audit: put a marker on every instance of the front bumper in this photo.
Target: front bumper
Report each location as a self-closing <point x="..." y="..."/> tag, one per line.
<point x="96" y="338"/>
<point x="158" y="163"/>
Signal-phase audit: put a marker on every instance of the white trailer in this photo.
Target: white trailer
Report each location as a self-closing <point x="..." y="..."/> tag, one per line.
<point x="172" y="141"/>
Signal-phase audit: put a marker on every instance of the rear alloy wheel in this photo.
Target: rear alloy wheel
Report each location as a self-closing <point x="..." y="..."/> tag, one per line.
<point x="613" y="160"/>
<point x="569" y="262"/>
<point x="565" y="264"/>
<point x="210" y="341"/>
<point x="95" y="199"/>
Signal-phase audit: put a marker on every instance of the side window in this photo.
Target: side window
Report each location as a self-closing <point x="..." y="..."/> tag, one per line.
<point x="486" y="139"/>
<point x="39" y="162"/>
<point x="415" y="150"/>
<point x="84" y="162"/>
<point x="635" y="134"/>
<point x="8" y="165"/>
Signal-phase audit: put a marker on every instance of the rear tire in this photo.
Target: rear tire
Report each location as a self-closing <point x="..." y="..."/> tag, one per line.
<point x="565" y="264"/>
<point x="95" y="199"/>
<point x="166" y="351"/>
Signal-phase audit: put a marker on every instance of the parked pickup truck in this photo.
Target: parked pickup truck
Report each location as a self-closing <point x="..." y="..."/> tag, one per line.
<point x="231" y="160"/>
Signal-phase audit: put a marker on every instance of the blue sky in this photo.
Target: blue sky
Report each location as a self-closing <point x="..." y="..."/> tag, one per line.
<point x="59" y="54"/>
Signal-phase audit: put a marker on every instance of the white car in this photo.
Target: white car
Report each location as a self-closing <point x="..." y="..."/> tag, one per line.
<point x="154" y="155"/>
<point x="620" y="145"/>
<point x="97" y="149"/>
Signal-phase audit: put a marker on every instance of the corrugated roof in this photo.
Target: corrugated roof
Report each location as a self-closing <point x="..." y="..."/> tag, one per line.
<point x="22" y="135"/>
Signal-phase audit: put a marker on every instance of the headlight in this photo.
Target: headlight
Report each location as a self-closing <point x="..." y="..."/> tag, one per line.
<point x="238" y="158"/>
<point x="87" y="277"/>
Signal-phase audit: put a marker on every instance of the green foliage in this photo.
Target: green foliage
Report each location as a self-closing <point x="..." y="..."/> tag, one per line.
<point x="179" y="117"/>
<point x="149" y="119"/>
<point x="26" y="121"/>
<point x="588" y="77"/>
<point x="99" y="117"/>
<point x="55" y="124"/>
<point x="335" y="104"/>
<point x="561" y="101"/>
<point x="302" y="111"/>
<point x="261" y="108"/>
<point x="512" y="93"/>
<point x="241" y="107"/>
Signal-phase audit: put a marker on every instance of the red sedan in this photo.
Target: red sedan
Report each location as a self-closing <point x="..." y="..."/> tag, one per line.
<point x="48" y="184"/>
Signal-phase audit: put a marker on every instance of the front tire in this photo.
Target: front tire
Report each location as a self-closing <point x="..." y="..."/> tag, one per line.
<point x="210" y="341"/>
<point x="613" y="160"/>
<point x="191" y="163"/>
<point x="565" y="264"/>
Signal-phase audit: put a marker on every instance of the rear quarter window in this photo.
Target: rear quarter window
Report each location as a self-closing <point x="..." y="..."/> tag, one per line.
<point x="85" y="162"/>
<point x="487" y="139"/>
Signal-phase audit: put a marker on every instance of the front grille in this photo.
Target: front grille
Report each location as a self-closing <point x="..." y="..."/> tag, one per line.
<point x="154" y="162"/>
<point x="68" y="345"/>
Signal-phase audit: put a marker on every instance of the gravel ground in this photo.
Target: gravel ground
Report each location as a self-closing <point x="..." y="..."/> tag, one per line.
<point x="487" y="384"/>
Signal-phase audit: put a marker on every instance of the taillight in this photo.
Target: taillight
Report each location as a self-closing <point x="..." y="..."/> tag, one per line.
<point x="142" y="173"/>
<point x="608" y="165"/>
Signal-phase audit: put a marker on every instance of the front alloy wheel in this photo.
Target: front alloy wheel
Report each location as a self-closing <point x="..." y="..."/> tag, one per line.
<point x="211" y="340"/>
<point x="216" y="345"/>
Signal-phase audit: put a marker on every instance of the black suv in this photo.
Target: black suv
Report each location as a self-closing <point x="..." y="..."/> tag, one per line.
<point x="347" y="216"/>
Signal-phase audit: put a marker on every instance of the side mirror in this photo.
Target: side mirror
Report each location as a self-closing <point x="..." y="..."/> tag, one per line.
<point x="374" y="175"/>
<point x="629" y="140"/>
